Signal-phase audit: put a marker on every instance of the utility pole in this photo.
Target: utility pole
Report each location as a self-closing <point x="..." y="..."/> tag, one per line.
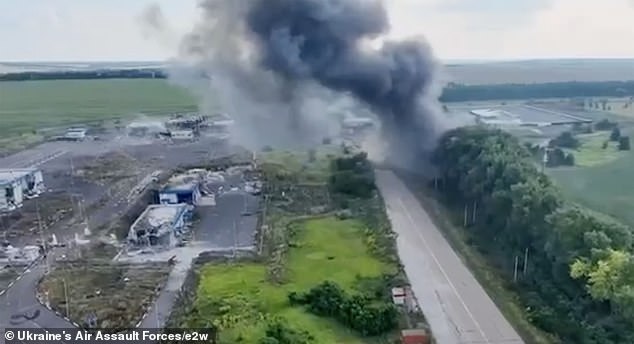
<point x="66" y="298"/>
<point x="515" y="270"/>
<point x="475" y="206"/>
<point x="525" y="261"/>
<point x="235" y="239"/>
<point x="42" y="237"/>
<point x="465" y="215"/>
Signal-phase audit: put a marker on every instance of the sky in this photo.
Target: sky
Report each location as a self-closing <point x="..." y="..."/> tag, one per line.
<point x="110" y="30"/>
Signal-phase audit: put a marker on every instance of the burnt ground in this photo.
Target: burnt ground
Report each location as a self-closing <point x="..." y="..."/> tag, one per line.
<point x="97" y="190"/>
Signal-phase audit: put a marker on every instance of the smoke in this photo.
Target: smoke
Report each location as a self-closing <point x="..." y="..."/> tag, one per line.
<point x="277" y="66"/>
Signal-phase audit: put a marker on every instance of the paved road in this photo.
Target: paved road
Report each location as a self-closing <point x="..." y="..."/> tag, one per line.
<point x="456" y="306"/>
<point x="19" y="307"/>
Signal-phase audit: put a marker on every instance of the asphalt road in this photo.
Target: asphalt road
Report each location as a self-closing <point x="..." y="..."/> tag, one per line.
<point x="19" y="307"/>
<point x="456" y="306"/>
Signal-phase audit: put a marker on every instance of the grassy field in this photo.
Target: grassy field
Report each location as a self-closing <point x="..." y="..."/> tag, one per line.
<point x="591" y="152"/>
<point x="299" y="163"/>
<point x="325" y="249"/>
<point x="31" y="105"/>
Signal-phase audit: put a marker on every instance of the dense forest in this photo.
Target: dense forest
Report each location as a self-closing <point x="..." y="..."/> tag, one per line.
<point x="459" y="92"/>
<point x="579" y="276"/>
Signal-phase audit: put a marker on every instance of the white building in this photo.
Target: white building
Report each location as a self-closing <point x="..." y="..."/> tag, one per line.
<point x="18" y="184"/>
<point x="159" y="224"/>
<point x="75" y="134"/>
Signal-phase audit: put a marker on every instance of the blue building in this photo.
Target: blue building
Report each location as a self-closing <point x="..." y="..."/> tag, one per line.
<point x="180" y="193"/>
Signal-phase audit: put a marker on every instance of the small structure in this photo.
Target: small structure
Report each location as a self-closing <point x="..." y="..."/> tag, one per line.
<point x="159" y="224"/>
<point x="398" y="296"/>
<point x="75" y="134"/>
<point x="414" y="336"/>
<point x="18" y="184"/>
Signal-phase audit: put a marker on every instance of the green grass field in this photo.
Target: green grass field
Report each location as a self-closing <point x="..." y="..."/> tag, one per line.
<point x="602" y="179"/>
<point x="591" y="152"/>
<point x="327" y="249"/>
<point x="30" y="105"/>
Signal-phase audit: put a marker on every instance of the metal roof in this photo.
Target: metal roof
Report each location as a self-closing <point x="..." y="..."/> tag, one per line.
<point x="10" y="175"/>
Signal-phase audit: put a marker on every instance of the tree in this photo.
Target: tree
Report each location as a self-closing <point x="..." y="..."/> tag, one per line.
<point x="615" y="135"/>
<point x="604" y="145"/>
<point x="312" y="155"/>
<point x="566" y="140"/>
<point x="569" y="160"/>
<point x="605" y="124"/>
<point x="624" y="143"/>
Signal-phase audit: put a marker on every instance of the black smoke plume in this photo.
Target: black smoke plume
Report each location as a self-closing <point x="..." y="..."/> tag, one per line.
<point x="289" y="46"/>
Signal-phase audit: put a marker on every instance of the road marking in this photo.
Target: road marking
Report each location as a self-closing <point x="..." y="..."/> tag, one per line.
<point x="422" y="237"/>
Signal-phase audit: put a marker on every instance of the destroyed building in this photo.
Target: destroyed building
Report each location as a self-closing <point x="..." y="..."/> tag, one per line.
<point x="160" y="225"/>
<point x="17" y="185"/>
<point x="183" y="188"/>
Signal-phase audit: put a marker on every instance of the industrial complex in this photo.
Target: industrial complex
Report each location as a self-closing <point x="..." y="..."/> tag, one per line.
<point x="507" y="116"/>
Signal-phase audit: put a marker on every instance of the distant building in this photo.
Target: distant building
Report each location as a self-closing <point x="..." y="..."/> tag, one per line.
<point x="159" y="224"/>
<point x="75" y="134"/>
<point x="18" y="184"/>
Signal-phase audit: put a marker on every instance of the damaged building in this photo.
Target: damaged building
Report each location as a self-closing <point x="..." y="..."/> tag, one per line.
<point x="183" y="188"/>
<point x="160" y="225"/>
<point x="16" y="185"/>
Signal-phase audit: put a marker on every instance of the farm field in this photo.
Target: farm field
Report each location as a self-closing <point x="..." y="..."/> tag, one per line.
<point x="324" y="249"/>
<point x="537" y="71"/>
<point x="602" y="181"/>
<point x="31" y="105"/>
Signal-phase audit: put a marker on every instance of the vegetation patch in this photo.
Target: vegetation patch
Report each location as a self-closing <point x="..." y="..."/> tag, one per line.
<point x="241" y="300"/>
<point x="597" y="149"/>
<point x="557" y="257"/>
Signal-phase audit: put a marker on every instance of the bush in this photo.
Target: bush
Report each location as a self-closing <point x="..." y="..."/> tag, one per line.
<point x="358" y="312"/>
<point x="566" y="140"/>
<point x="624" y="143"/>
<point x="615" y="135"/>
<point x="605" y="124"/>
<point x="352" y="176"/>
<point x="569" y="160"/>
<point x="277" y="332"/>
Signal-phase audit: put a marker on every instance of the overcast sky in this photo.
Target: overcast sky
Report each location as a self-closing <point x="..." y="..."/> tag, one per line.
<point x="109" y="30"/>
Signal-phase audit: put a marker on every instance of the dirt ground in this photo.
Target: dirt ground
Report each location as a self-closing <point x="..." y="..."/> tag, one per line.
<point x="117" y="294"/>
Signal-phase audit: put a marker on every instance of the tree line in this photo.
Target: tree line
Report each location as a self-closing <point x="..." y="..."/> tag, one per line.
<point x="460" y="92"/>
<point x="83" y="75"/>
<point x="453" y="92"/>
<point x="572" y="269"/>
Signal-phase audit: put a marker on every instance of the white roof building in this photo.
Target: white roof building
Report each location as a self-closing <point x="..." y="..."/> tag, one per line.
<point x="18" y="184"/>
<point x="159" y="224"/>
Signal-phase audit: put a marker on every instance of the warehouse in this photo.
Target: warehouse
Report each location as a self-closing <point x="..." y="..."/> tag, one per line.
<point x="159" y="225"/>
<point x="17" y="185"/>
